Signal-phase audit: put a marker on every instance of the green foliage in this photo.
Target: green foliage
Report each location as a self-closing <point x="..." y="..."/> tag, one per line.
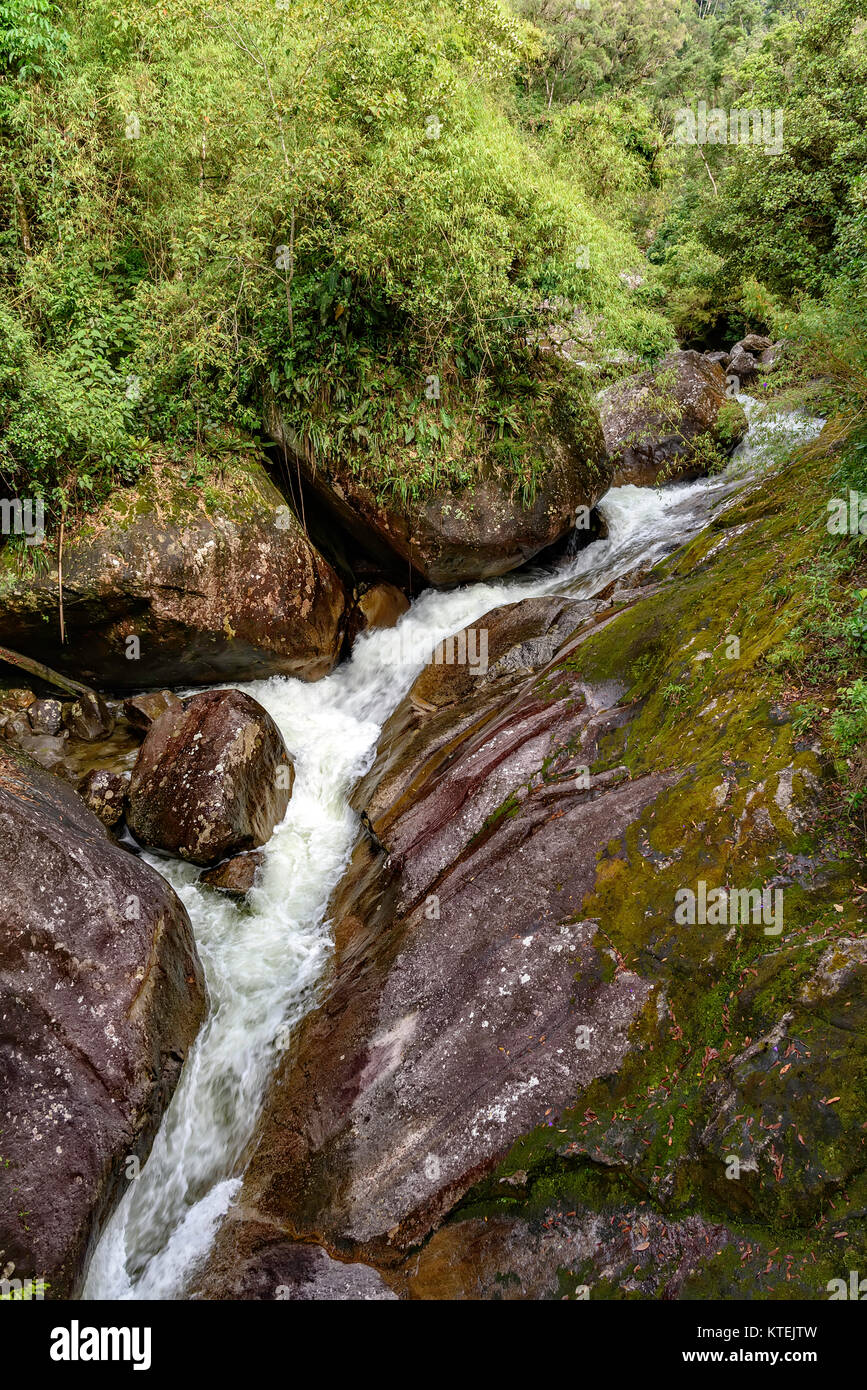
<point x="751" y="231"/>
<point x="856" y="624"/>
<point x="332" y="201"/>
<point x="674" y="693"/>
<point x="66" y="423"/>
<point x="607" y="45"/>
<point x="31" y="43"/>
<point x="850" y="722"/>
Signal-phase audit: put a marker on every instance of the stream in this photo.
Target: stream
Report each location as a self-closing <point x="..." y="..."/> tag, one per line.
<point x="263" y="962"/>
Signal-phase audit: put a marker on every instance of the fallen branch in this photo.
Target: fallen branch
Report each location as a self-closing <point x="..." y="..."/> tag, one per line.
<point x="45" y="673"/>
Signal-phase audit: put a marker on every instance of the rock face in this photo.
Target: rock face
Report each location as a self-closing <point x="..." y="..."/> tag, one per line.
<point x="664" y="425"/>
<point x="166" y="586"/>
<point x="457" y="537"/>
<point x="101" y="996"/>
<point x="523" y="1032"/>
<point x="213" y="778"/>
<point x="382" y="605"/>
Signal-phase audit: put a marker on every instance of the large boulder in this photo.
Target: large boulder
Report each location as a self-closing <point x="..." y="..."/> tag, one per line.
<point x="458" y="535"/>
<point x="101" y="997"/>
<point x="167" y="584"/>
<point x="524" y="1033"/>
<point x="670" y="423"/>
<point x="212" y="779"/>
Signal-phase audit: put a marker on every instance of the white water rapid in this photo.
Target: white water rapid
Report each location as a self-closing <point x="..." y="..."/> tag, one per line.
<point x="263" y="963"/>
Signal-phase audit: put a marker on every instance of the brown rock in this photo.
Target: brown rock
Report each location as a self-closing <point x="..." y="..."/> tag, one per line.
<point x="88" y="718"/>
<point x="236" y="876"/>
<point x="742" y="364"/>
<point x="279" y="1269"/>
<point x="143" y="710"/>
<point x="17" y="728"/>
<point x="655" y="422"/>
<point x="213" y="778"/>
<point x="48" y="750"/>
<point x="46" y="716"/>
<point x="382" y="605"/>
<point x="101" y="996"/>
<point x="482" y="531"/>
<point x="164" y="585"/>
<point x="753" y="342"/>
<point x="17" y="699"/>
<point x="105" y="794"/>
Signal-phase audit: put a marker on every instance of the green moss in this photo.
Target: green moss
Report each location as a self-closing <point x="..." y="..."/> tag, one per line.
<point x="751" y="803"/>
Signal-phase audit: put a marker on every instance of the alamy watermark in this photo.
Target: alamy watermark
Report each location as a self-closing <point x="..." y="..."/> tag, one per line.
<point x="847" y="515"/>
<point x="730" y="907"/>
<point x="17" y="1290"/>
<point x="403" y="647"/>
<point x="23" y="517"/>
<point x="856" y="1289"/>
<point x="718" y="126"/>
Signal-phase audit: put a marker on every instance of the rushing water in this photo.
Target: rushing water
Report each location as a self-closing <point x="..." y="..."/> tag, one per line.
<point x="263" y="963"/>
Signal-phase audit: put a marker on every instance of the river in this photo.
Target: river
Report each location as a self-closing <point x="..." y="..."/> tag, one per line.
<point x="263" y="962"/>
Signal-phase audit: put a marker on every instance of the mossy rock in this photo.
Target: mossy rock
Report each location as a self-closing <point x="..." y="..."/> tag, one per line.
<point x="171" y="582"/>
<point x="524" y="496"/>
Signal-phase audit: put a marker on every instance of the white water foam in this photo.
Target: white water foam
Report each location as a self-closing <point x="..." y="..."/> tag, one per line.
<point x="263" y="964"/>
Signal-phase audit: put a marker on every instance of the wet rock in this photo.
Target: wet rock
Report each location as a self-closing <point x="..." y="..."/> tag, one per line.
<point x="143" y="710"/>
<point x="521" y="1030"/>
<point x="48" y="750"/>
<point x="213" y="778"/>
<point x="451" y="1024"/>
<point x="237" y="876"/>
<point x="662" y="425"/>
<point x="105" y="794"/>
<point x="459" y="536"/>
<point x="46" y="716"/>
<point x="166" y="585"/>
<point x="89" y="719"/>
<point x="16" y="728"/>
<point x="742" y="364"/>
<point x="74" y="757"/>
<point x="298" y="1274"/>
<point x="753" y="342"/>
<point x="382" y="605"/>
<point x="17" y="698"/>
<point x="573" y="1255"/>
<point x="101" y="996"/>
